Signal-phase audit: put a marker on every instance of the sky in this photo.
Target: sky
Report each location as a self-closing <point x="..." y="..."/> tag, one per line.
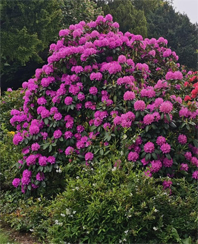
<point x="189" y="7"/>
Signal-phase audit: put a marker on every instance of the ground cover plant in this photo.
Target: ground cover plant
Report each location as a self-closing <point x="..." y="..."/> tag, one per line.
<point x="108" y="105"/>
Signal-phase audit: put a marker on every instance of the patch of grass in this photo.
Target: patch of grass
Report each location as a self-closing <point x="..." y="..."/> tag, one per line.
<point x="4" y="239"/>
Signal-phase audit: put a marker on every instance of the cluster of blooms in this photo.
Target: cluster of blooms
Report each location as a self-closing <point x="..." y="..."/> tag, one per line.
<point x="98" y="82"/>
<point x="192" y="83"/>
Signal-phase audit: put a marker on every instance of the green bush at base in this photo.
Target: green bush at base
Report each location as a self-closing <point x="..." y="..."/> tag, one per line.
<point x="114" y="207"/>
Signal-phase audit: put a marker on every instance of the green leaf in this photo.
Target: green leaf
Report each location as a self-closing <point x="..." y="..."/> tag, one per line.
<point x="43" y="184"/>
<point x="137" y="114"/>
<point x="168" y="117"/>
<point x="154" y="156"/>
<point x="46" y="145"/>
<point x="187" y="241"/>
<point x="168" y="156"/>
<point x="148" y="157"/>
<point x="195" y="141"/>
<point x="175" y="235"/>
<point x="29" y="187"/>
<point x="173" y="125"/>
<point x="46" y="121"/>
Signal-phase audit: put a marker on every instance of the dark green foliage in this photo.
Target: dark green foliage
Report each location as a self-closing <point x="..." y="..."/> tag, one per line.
<point x="9" y="155"/>
<point x="178" y="30"/>
<point x="146" y="6"/>
<point x="78" y="10"/>
<point x="108" y="206"/>
<point x="129" y="18"/>
<point x="27" y="29"/>
<point x="9" y="101"/>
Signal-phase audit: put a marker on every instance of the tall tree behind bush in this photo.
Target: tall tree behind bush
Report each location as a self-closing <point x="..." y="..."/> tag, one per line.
<point x="178" y="30"/>
<point x="27" y="28"/>
<point x="129" y="18"/>
<point x="78" y="10"/>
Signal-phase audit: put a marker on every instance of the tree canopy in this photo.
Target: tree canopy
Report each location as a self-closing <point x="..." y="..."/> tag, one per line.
<point x="78" y="10"/>
<point x="129" y="18"/>
<point x="29" y="27"/>
<point x="178" y="30"/>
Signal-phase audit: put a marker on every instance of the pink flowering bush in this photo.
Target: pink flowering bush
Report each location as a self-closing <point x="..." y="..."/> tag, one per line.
<point x="104" y="94"/>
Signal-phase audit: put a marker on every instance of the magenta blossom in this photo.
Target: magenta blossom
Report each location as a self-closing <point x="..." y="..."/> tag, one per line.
<point x="156" y="165"/>
<point x="188" y="155"/>
<point x="129" y="95"/>
<point x="16" y="182"/>
<point x="89" y="156"/>
<point x="148" y="119"/>
<point x="33" y="129"/>
<point x="69" y="151"/>
<point x="165" y="148"/>
<point x="58" y="116"/>
<point x="40" y="176"/>
<point x="184" y="167"/>
<point x="93" y="90"/>
<point x="35" y="146"/>
<point x="17" y="139"/>
<point x="167" y="162"/>
<point x="68" y="134"/>
<point x="42" y="161"/>
<point x="133" y="156"/>
<point x="166" y="107"/>
<point x="195" y="175"/>
<point x="51" y="159"/>
<point x="57" y="134"/>
<point x="160" y="140"/>
<point x="139" y="105"/>
<point x="68" y="100"/>
<point x="149" y="147"/>
<point x="167" y="184"/>
<point x="182" y="139"/>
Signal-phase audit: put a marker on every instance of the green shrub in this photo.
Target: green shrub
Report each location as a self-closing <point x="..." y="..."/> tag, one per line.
<point x="9" y="158"/>
<point x="10" y="100"/>
<point x="8" y="152"/>
<point x="24" y="214"/>
<point x="108" y="206"/>
<point x="115" y="206"/>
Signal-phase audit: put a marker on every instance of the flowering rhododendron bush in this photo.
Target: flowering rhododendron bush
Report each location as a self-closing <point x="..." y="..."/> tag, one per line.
<point x="107" y="96"/>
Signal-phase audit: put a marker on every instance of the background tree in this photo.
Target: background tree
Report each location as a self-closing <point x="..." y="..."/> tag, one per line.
<point x="78" y="10"/>
<point x="146" y="6"/>
<point x="129" y="18"/>
<point x="27" y="28"/>
<point x="178" y="30"/>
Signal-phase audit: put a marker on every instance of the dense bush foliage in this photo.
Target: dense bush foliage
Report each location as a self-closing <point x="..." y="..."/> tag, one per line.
<point x="10" y="100"/>
<point x="9" y="158"/>
<point x="105" y="94"/>
<point x="9" y="153"/>
<point x="113" y="207"/>
<point x="109" y="206"/>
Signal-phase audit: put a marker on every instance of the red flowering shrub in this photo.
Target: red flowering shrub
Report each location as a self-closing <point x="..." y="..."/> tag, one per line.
<point x="192" y="85"/>
<point x="106" y="96"/>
